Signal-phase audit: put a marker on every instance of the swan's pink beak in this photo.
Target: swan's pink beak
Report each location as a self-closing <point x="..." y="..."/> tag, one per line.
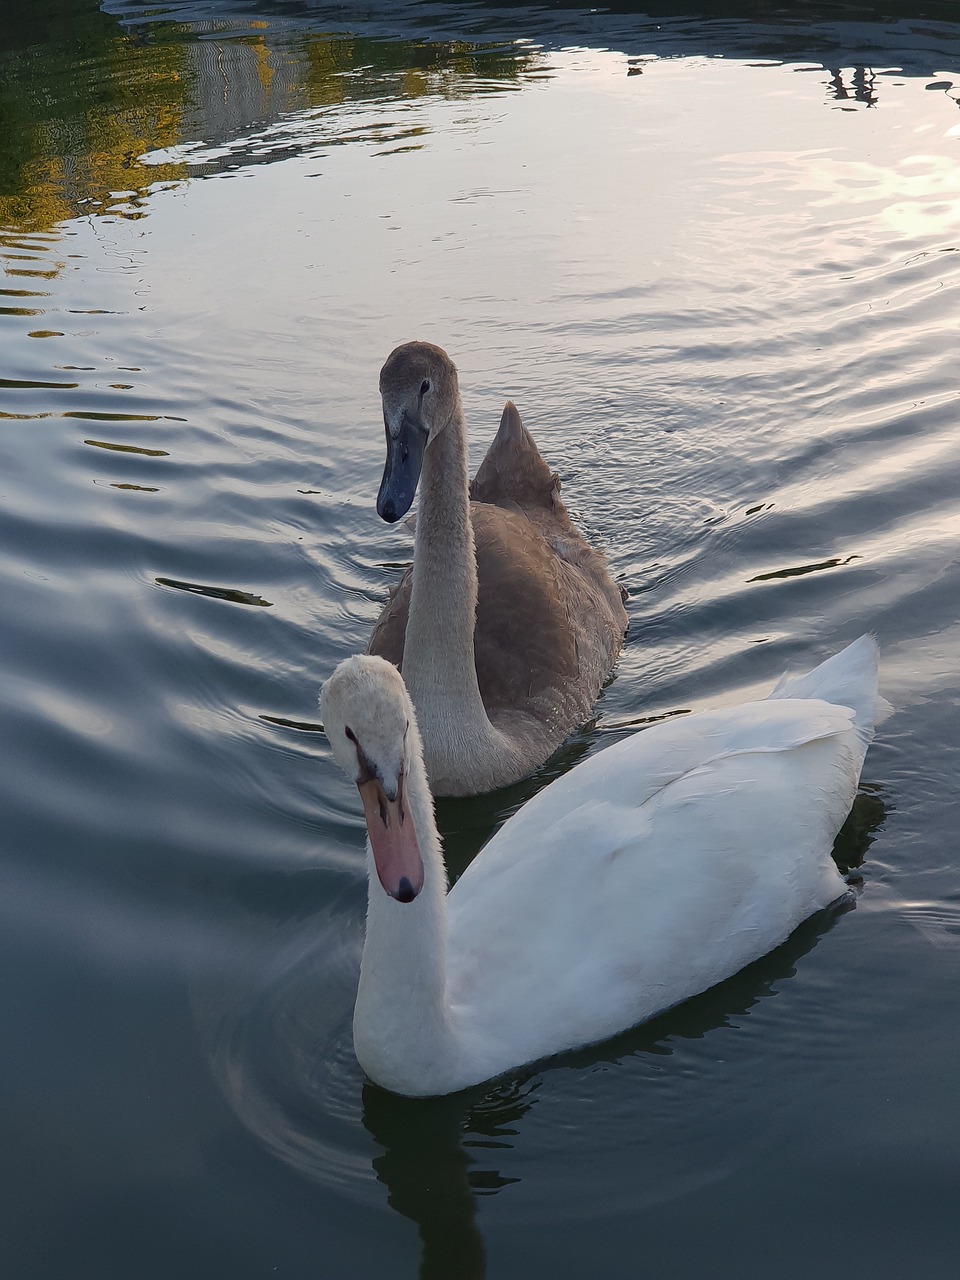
<point x="393" y="840"/>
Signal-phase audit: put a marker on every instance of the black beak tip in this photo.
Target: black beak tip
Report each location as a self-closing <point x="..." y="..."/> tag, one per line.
<point x="387" y="511"/>
<point x="405" y="891"/>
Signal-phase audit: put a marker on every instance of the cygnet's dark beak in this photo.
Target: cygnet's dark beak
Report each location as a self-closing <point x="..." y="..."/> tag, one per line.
<point x="402" y="469"/>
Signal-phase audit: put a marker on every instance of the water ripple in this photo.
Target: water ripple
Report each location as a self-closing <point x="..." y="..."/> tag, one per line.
<point x="733" y="334"/>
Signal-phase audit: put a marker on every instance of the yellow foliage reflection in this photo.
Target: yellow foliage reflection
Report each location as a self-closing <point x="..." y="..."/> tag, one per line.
<point x="97" y="128"/>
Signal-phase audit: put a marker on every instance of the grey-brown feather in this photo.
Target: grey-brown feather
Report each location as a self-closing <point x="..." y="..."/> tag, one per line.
<point x="550" y="619"/>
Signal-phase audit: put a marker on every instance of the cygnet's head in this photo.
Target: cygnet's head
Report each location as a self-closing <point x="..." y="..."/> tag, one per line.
<point x="369" y="720"/>
<point x="419" y="390"/>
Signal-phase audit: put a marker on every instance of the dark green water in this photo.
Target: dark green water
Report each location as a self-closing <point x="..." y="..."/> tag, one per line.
<point x="714" y="256"/>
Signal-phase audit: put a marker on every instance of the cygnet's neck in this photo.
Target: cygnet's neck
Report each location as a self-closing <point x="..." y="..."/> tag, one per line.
<point x="439" y="666"/>
<point x="438" y="649"/>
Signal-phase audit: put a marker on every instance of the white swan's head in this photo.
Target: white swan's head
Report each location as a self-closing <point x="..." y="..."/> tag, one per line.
<point x="369" y="720"/>
<point x="419" y="390"/>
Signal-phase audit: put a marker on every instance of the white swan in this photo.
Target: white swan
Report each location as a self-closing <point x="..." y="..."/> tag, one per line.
<point x="651" y="871"/>
<point x="509" y="622"/>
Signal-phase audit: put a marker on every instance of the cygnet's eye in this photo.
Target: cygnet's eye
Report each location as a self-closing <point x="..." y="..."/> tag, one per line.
<point x="424" y="386"/>
<point x="350" y="734"/>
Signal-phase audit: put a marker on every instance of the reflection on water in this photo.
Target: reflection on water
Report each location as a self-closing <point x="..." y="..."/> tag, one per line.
<point x="208" y="92"/>
<point x="426" y="1171"/>
<point x="82" y="105"/>
<point x="99" y="134"/>
<point x="217" y="593"/>
<point x="860" y="85"/>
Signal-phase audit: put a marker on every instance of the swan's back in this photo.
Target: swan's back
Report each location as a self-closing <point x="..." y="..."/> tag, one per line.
<point x="661" y="865"/>
<point x="546" y="634"/>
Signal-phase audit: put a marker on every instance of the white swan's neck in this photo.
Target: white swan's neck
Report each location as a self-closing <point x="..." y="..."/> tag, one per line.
<point x="439" y="667"/>
<point x="402" y="1029"/>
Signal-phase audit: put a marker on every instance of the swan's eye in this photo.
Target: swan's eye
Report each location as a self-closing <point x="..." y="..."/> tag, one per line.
<point x="351" y="735"/>
<point x="424" y="386"/>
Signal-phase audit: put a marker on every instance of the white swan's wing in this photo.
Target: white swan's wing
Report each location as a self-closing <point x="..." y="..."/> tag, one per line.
<point x="649" y="873"/>
<point x="635" y="769"/>
<point x="848" y="678"/>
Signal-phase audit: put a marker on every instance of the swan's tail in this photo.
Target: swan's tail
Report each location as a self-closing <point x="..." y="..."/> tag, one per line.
<point x="513" y="473"/>
<point x="848" y="679"/>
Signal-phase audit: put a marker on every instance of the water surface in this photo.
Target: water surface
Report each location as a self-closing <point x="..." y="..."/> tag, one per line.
<point x="714" y="257"/>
